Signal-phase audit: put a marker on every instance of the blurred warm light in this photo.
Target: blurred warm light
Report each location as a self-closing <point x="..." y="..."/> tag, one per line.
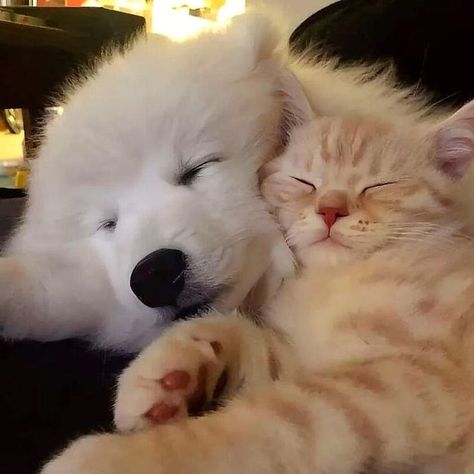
<point x="177" y="19"/>
<point x="175" y="22"/>
<point x="92" y="3"/>
<point x="230" y="8"/>
<point x="172" y="18"/>
<point x="132" y="6"/>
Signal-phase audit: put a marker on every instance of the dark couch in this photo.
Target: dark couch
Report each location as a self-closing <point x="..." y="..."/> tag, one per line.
<point x="51" y="393"/>
<point x="11" y="208"/>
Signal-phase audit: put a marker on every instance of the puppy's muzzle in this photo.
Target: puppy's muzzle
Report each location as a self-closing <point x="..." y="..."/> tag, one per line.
<point x="158" y="279"/>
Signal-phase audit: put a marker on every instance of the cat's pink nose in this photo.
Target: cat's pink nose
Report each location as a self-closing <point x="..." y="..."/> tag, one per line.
<point x="331" y="214"/>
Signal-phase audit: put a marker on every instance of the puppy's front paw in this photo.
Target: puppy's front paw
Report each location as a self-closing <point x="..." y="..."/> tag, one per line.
<point x="181" y="374"/>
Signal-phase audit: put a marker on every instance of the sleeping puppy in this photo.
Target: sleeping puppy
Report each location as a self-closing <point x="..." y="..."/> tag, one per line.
<point x="144" y="205"/>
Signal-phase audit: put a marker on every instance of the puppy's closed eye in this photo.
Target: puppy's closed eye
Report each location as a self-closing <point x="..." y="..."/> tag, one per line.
<point x="108" y="225"/>
<point x="190" y="175"/>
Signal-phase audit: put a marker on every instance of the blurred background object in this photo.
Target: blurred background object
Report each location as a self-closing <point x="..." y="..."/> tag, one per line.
<point x="11" y="146"/>
<point x="13" y="120"/>
<point x="178" y="19"/>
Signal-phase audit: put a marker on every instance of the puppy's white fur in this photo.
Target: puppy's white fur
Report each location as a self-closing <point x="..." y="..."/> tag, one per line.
<point x="125" y="135"/>
<point x="117" y="151"/>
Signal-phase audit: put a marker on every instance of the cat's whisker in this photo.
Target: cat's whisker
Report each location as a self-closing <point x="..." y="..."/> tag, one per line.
<point x="419" y="225"/>
<point x="413" y="224"/>
<point x="438" y="232"/>
<point x="414" y="237"/>
<point x="417" y="232"/>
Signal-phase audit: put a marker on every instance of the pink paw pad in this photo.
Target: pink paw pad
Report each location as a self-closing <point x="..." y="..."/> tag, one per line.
<point x="161" y="412"/>
<point x="175" y="380"/>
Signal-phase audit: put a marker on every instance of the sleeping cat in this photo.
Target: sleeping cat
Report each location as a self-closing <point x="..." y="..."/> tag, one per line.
<point x="364" y="363"/>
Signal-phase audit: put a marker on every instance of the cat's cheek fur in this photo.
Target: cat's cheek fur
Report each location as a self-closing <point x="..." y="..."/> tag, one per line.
<point x="272" y="190"/>
<point x="287" y="218"/>
<point x="279" y="189"/>
<point x="306" y="229"/>
<point x="323" y="254"/>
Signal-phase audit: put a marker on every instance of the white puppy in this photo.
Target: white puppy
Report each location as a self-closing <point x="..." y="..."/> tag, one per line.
<point x="144" y="203"/>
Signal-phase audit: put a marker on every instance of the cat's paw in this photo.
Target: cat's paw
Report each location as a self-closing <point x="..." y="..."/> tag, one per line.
<point x="183" y="373"/>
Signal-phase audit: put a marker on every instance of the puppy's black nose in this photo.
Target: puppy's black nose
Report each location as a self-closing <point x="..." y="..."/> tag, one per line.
<point x="158" y="279"/>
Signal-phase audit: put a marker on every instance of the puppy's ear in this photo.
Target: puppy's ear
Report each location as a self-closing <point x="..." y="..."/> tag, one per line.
<point x="260" y="49"/>
<point x="455" y="142"/>
<point x="296" y="109"/>
<point x="255" y="37"/>
<point x="262" y="43"/>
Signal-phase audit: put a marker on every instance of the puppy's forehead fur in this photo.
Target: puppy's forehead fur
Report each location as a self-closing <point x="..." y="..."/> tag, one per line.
<point x="178" y="100"/>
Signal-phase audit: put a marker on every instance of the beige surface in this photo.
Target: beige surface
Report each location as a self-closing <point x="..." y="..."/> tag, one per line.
<point x="10" y="146"/>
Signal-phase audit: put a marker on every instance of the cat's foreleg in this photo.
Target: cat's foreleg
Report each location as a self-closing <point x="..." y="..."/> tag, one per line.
<point x="381" y="416"/>
<point x="195" y="366"/>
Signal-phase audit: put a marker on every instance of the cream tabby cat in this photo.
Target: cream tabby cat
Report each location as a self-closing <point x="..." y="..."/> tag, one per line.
<point x="363" y="364"/>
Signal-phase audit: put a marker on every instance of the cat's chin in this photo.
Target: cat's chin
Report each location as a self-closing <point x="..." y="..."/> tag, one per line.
<point x="326" y="252"/>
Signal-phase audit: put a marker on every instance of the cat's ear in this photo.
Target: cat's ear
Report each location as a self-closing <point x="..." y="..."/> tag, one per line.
<point x="455" y="142"/>
<point x="296" y="107"/>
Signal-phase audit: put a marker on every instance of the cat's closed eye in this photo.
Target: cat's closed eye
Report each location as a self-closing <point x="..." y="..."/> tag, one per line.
<point x="377" y="186"/>
<point x="307" y="183"/>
